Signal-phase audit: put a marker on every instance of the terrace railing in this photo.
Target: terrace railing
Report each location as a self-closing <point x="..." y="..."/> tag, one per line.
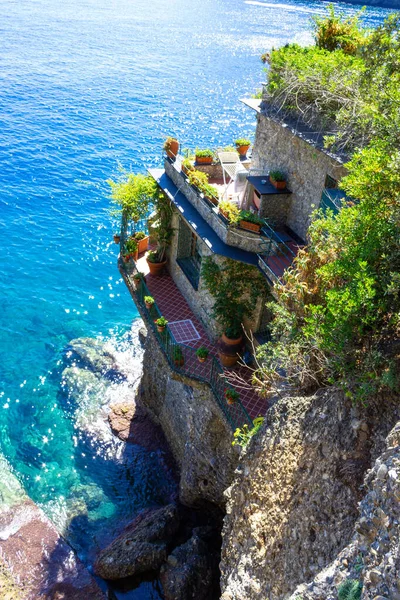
<point x="183" y="360"/>
<point x="276" y="256"/>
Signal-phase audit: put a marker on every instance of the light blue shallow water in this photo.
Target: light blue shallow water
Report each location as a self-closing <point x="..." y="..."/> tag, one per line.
<point x="83" y="85"/>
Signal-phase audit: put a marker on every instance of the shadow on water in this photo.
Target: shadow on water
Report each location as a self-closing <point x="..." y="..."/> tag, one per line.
<point x="123" y="478"/>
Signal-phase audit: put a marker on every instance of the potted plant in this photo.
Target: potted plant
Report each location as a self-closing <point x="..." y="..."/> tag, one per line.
<point x="202" y="354"/>
<point x="204" y="157"/>
<point x="278" y="179"/>
<point x="171" y="147"/>
<point x="250" y="221"/>
<point x="210" y="193"/>
<point x="179" y="359"/>
<point x="230" y="211"/>
<point x="138" y="278"/>
<point x="231" y="396"/>
<point x="161" y="324"/>
<point x="156" y="266"/>
<point x="163" y="232"/>
<point x="242" y="146"/>
<point x="142" y="240"/>
<point x="117" y="238"/>
<point x="232" y="335"/>
<point x="187" y="166"/>
<point x="197" y="179"/>
<point x="134" y="195"/>
<point x="131" y="249"/>
<point x="148" y="301"/>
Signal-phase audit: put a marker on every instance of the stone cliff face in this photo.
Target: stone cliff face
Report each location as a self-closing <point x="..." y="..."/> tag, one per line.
<point x="293" y="504"/>
<point x="371" y="561"/>
<point x="193" y="424"/>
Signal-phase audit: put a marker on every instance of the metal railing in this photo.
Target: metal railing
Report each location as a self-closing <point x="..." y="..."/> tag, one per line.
<point x="276" y="256"/>
<point x="183" y="359"/>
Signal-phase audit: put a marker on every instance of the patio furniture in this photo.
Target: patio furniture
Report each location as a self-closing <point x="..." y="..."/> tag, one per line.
<point x="235" y="176"/>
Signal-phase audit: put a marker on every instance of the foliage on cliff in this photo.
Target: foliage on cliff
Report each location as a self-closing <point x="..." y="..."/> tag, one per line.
<point x="337" y="319"/>
<point x="235" y="288"/>
<point x="340" y="85"/>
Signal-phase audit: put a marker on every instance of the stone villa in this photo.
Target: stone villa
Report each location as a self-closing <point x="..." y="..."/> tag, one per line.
<point x="174" y="389"/>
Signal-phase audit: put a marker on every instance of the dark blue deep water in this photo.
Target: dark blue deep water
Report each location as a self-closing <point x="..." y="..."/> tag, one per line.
<point x="86" y="85"/>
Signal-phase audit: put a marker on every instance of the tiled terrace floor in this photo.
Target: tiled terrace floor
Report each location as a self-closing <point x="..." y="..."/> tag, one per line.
<point x="174" y="307"/>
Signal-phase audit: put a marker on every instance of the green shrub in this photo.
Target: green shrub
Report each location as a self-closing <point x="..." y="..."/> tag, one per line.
<point x="231" y="211"/>
<point x="149" y="300"/>
<point x="247" y="215"/>
<point x="207" y="153"/>
<point x="178" y="354"/>
<point x="139" y="235"/>
<point x="337" y="316"/>
<point x="350" y="590"/>
<point x="134" y="194"/>
<point x="162" y="322"/>
<point x="242" y="142"/>
<point x="277" y="175"/>
<point x="202" y="352"/>
<point x="242" y="436"/>
<point x="131" y="246"/>
<point x="231" y="395"/>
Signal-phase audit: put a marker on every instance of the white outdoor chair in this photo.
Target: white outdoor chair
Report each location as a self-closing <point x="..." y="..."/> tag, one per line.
<point x="232" y="167"/>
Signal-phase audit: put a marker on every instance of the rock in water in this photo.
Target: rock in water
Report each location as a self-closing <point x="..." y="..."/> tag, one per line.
<point x="191" y="571"/>
<point x="142" y="547"/>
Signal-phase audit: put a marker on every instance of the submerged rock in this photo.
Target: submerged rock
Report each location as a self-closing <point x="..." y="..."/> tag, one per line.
<point x="35" y="558"/>
<point x="94" y="355"/>
<point x="191" y="571"/>
<point x="142" y="547"/>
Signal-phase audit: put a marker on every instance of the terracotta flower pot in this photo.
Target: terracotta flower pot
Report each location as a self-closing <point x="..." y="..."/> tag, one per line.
<point x="160" y="328"/>
<point x="250" y="226"/>
<point x="204" y="160"/>
<point x="156" y="268"/>
<point x="230" y="401"/>
<point x="280" y="185"/>
<point x="231" y="341"/>
<point x="179" y="363"/>
<point x="143" y="244"/>
<point x="211" y="199"/>
<point x="117" y="239"/>
<point x="201" y="360"/>
<point x="243" y="150"/>
<point x="173" y="149"/>
<point x="227" y="360"/>
<point x="148" y="305"/>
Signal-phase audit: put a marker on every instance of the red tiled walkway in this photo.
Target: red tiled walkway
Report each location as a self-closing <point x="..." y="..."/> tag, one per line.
<point x="174" y="307"/>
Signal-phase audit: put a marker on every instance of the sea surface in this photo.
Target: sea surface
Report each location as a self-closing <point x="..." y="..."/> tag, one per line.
<point x="87" y="86"/>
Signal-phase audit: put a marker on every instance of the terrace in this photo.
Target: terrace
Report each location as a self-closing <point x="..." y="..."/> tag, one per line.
<point x="274" y="247"/>
<point x="186" y="332"/>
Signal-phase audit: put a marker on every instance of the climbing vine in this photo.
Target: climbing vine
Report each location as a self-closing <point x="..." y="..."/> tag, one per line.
<point x="235" y="288"/>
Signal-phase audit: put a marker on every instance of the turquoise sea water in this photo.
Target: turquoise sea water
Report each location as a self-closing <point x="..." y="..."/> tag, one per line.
<point x="85" y="85"/>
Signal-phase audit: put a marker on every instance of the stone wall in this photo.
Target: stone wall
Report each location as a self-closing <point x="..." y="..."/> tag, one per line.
<point x="231" y="236"/>
<point x="196" y="430"/>
<point x="200" y="300"/>
<point x="293" y="504"/>
<point x="277" y="147"/>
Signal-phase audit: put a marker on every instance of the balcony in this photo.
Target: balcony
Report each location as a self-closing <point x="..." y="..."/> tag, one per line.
<point x="186" y="333"/>
<point x="278" y="253"/>
<point x="232" y="236"/>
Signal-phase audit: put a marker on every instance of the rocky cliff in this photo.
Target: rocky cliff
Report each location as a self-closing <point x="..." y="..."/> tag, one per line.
<point x="193" y="424"/>
<point x="293" y="506"/>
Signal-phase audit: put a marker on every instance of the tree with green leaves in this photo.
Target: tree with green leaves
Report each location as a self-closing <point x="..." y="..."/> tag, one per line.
<point x="337" y="316"/>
